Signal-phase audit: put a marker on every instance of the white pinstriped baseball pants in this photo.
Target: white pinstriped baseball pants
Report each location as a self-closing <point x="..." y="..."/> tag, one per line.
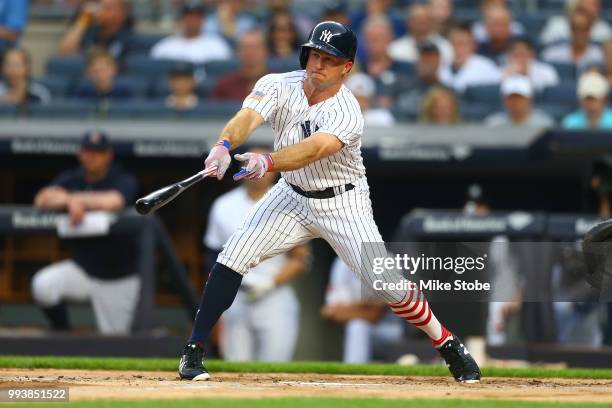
<point x="283" y="219"/>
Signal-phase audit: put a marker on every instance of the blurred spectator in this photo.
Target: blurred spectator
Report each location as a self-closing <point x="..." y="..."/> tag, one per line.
<point x="263" y="321"/>
<point x="364" y="89"/>
<point x="442" y="13"/>
<point x="409" y="93"/>
<point x="498" y="26"/>
<point x="579" y="50"/>
<point x="101" y="84"/>
<point x="467" y="68"/>
<point x="336" y="10"/>
<point x="557" y="28"/>
<point x="517" y="94"/>
<point x="368" y="325"/>
<point x="606" y="48"/>
<point x="593" y="95"/>
<point x="105" y="23"/>
<point x="521" y="61"/>
<point x="440" y="106"/>
<point x="102" y="269"/>
<point x="13" y="20"/>
<point x="479" y="28"/>
<point x="283" y="38"/>
<point x="252" y="56"/>
<point x="190" y="44"/>
<point x="182" y="84"/>
<point x="17" y="87"/>
<point x="377" y="36"/>
<point x="230" y="20"/>
<point x="377" y="8"/>
<point x="420" y="25"/>
<point x="303" y="23"/>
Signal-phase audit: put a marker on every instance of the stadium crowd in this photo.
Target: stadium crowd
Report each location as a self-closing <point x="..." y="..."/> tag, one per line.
<point x="435" y="61"/>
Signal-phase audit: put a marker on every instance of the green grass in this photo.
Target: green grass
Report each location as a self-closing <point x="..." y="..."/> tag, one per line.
<point x="170" y="364"/>
<point x="312" y="402"/>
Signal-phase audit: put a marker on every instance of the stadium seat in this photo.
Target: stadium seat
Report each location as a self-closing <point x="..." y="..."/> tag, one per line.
<point x="139" y="85"/>
<point x="284" y="64"/>
<point x="139" y="108"/>
<point x="161" y="89"/>
<point x="557" y="111"/>
<point x="484" y="94"/>
<point x="475" y="112"/>
<point x="565" y="71"/>
<point x="563" y="94"/>
<point x="217" y="68"/>
<point x="209" y="109"/>
<point x="71" y="66"/>
<point x="7" y="111"/>
<point x="142" y="43"/>
<point x="533" y="24"/>
<point x="143" y="65"/>
<point x="64" y="109"/>
<point x="59" y="86"/>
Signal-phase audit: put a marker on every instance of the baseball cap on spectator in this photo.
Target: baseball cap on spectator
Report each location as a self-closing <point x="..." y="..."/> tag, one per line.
<point x="95" y="140"/>
<point x="192" y="6"/>
<point x="361" y="85"/>
<point x="592" y="84"/>
<point x="427" y="46"/>
<point x="517" y="85"/>
<point x="182" y="69"/>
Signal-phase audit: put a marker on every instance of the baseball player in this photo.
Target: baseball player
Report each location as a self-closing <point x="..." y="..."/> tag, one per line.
<point x="322" y="193"/>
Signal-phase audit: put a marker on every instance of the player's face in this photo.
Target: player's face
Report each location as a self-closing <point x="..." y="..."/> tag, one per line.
<point x="325" y="70"/>
<point x="95" y="160"/>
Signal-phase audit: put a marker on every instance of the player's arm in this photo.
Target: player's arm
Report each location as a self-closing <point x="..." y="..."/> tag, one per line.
<point x="295" y="265"/>
<point x="240" y="127"/>
<point x="235" y="133"/>
<point x="314" y="148"/>
<point x="111" y="200"/>
<point x="293" y="157"/>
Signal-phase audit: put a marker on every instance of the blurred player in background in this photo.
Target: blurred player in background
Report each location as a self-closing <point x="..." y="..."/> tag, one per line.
<point x="102" y="269"/>
<point x="366" y="327"/>
<point x="262" y="323"/>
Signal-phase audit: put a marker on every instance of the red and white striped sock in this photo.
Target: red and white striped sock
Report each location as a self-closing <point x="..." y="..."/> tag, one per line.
<point x="415" y="310"/>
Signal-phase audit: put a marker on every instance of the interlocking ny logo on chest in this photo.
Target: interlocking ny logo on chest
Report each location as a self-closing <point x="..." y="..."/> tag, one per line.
<point x="306" y="131"/>
<point x="327" y="35"/>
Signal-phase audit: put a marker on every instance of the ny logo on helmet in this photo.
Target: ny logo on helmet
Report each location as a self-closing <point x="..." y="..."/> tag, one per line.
<point x="326" y="35"/>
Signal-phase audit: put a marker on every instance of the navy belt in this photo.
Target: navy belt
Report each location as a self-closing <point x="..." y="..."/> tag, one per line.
<point x="329" y="192"/>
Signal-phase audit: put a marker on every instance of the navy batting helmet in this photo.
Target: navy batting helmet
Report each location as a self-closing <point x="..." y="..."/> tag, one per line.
<point x="332" y="38"/>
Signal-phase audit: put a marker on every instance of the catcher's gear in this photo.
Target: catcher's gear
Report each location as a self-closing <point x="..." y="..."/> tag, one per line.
<point x="332" y="38"/>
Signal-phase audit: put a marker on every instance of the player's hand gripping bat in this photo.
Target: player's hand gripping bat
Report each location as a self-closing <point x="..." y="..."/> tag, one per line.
<point x="163" y="196"/>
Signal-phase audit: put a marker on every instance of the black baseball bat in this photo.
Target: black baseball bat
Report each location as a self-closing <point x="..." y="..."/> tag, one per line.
<point x="163" y="196"/>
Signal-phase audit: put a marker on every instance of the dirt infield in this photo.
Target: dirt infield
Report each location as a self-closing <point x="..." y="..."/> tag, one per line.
<point x="129" y="385"/>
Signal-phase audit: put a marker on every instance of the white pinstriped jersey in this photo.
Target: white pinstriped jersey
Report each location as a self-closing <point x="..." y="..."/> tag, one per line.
<point x="280" y="100"/>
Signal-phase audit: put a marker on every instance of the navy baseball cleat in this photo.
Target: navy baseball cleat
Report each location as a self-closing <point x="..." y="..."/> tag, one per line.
<point x="459" y="361"/>
<point x="190" y="365"/>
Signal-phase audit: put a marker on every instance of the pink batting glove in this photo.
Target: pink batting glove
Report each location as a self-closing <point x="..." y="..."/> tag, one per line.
<point x="256" y="165"/>
<point x="219" y="156"/>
